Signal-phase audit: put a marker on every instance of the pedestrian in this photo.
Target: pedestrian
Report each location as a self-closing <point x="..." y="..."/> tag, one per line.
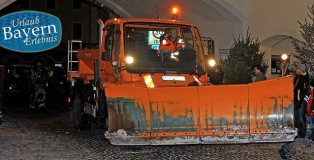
<point x="216" y="76"/>
<point x="38" y="86"/>
<point x="301" y="88"/>
<point x="259" y="75"/>
<point x="309" y="99"/>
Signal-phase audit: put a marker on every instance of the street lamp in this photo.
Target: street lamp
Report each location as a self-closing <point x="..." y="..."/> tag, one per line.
<point x="284" y="58"/>
<point x="212" y="63"/>
<point x="211" y="71"/>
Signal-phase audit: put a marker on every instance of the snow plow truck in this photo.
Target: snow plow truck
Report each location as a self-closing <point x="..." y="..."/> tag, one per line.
<point x="144" y="97"/>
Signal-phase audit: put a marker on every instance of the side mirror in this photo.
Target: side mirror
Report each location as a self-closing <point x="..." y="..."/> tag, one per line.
<point x="106" y="56"/>
<point x="108" y="42"/>
<point x="108" y="47"/>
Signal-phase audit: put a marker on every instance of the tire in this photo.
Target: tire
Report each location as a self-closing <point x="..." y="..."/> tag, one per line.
<point x="81" y="120"/>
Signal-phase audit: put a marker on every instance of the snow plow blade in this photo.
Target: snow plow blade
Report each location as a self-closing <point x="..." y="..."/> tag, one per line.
<point x="222" y="114"/>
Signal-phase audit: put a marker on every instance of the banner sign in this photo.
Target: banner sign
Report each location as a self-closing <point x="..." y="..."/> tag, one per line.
<point x="30" y="31"/>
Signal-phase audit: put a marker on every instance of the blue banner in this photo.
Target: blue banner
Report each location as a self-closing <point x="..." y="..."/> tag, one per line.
<point x="30" y="31"/>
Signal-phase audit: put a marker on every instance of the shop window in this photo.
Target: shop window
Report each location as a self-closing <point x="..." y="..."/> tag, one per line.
<point x="77" y="31"/>
<point x="276" y="64"/>
<point x="223" y="54"/>
<point x="51" y="4"/>
<point x="77" y="4"/>
<point x="24" y="4"/>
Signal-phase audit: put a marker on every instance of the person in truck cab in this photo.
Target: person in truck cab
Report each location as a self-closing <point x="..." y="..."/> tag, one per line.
<point x="170" y="42"/>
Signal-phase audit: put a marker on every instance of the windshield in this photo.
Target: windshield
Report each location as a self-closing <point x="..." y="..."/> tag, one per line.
<point x="161" y="48"/>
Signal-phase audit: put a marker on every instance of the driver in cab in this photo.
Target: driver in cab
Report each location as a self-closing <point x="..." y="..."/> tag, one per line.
<point x="169" y="46"/>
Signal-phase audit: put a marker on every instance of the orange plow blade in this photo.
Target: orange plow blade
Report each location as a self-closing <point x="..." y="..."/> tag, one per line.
<point x="224" y="114"/>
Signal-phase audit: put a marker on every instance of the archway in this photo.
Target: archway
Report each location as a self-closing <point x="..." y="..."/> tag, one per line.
<point x="13" y="59"/>
<point x="217" y="19"/>
<point x="46" y="59"/>
<point x="275" y="46"/>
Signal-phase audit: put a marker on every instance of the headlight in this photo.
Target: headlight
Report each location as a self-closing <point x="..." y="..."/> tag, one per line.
<point x="129" y="59"/>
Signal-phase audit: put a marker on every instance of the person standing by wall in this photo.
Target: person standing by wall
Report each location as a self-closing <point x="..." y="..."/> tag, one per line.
<point x="301" y="89"/>
<point x="310" y="100"/>
<point x="216" y="76"/>
<point x="259" y="75"/>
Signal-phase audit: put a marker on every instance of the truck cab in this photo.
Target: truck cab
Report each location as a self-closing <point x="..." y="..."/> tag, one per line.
<point x="132" y="47"/>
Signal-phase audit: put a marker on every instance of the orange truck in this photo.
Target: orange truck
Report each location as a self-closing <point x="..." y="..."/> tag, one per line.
<point x="147" y="98"/>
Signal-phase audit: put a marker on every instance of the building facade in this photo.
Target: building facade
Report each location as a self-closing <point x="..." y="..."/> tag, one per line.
<point x="273" y="23"/>
<point x="79" y="22"/>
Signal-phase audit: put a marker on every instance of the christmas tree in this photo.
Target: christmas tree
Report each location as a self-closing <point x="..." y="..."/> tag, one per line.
<point x="243" y="55"/>
<point x="305" y="48"/>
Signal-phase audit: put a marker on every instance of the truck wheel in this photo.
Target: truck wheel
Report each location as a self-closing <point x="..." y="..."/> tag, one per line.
<point x="102" y="114"/>
<point x="81" y="120"/>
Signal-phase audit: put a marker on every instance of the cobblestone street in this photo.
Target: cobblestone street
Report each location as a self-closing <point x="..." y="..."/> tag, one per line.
<point x="52" y="137"/>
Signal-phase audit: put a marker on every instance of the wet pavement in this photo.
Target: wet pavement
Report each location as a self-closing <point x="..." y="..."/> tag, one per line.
<point x="51" y="136"/>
